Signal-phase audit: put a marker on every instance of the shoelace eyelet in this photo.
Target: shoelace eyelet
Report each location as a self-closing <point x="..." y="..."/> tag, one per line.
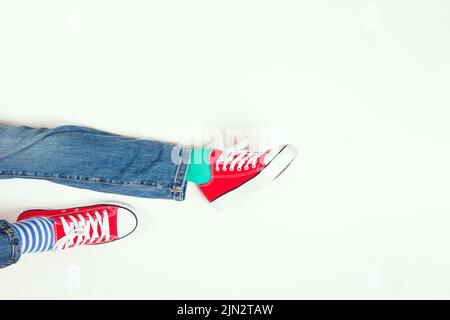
<point x="246" y="168"/>
<point x="231" y="169"/>
<point x="254" y="166"/>
<point x="80" y="230"/>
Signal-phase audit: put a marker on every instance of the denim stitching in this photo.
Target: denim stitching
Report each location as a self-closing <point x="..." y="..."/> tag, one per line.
<point x="180" y="182"/>
<point x="90" y="180"/>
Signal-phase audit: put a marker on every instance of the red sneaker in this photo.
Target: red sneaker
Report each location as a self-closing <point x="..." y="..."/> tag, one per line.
<point x="97" y="224"/>
<point x="235" y="172"/>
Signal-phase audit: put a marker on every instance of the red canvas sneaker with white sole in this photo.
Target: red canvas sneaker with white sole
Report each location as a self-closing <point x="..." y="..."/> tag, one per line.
<point x="235" y="172"/>
<point x="91" y="225"/>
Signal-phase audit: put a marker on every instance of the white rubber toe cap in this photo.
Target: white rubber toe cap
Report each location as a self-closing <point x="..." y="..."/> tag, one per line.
<point x="126" y="222"/>
<point x="285" y="151"/>
<point x="272" y="154"/>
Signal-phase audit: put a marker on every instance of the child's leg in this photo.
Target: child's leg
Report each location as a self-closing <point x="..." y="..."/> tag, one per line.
<point x="44" y="230"/>
<point x="91" y="159"/>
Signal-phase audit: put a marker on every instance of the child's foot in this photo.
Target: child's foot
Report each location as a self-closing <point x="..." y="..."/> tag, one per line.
<point x="91" y="225"/>
<point x="235" y="172"/>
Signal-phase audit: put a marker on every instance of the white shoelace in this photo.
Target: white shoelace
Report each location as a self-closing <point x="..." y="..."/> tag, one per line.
<point x="237" y="155"/>
<point x="80" y="227"/>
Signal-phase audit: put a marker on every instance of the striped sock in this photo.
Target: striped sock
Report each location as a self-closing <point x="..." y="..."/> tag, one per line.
<point x="36" y="234"/>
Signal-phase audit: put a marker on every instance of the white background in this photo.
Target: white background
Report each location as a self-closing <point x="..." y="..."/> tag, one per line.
<point x="361" y="88"/>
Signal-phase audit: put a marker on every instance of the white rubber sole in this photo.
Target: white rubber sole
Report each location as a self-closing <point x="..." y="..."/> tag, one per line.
<point x="278" y="164"/>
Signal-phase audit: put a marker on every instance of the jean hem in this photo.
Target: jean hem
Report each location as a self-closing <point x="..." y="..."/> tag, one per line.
<point x="79" y="179"/>
<point x="180" y="183"/>
<point x="15" y="243"/>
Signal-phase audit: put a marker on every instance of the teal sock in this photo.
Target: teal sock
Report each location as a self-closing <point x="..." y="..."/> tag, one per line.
<point x="199" y="170"/>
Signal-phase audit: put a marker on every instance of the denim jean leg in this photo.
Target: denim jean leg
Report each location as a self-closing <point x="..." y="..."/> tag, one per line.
<point x="9" y="245"/>
<point x="96" y="160"/>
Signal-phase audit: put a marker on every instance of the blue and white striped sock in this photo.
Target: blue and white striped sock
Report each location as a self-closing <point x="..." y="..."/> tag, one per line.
<point x="36" y="234"/>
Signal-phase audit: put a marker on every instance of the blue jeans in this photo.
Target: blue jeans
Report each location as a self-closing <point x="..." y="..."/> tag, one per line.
<point x="89" y="159"/>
